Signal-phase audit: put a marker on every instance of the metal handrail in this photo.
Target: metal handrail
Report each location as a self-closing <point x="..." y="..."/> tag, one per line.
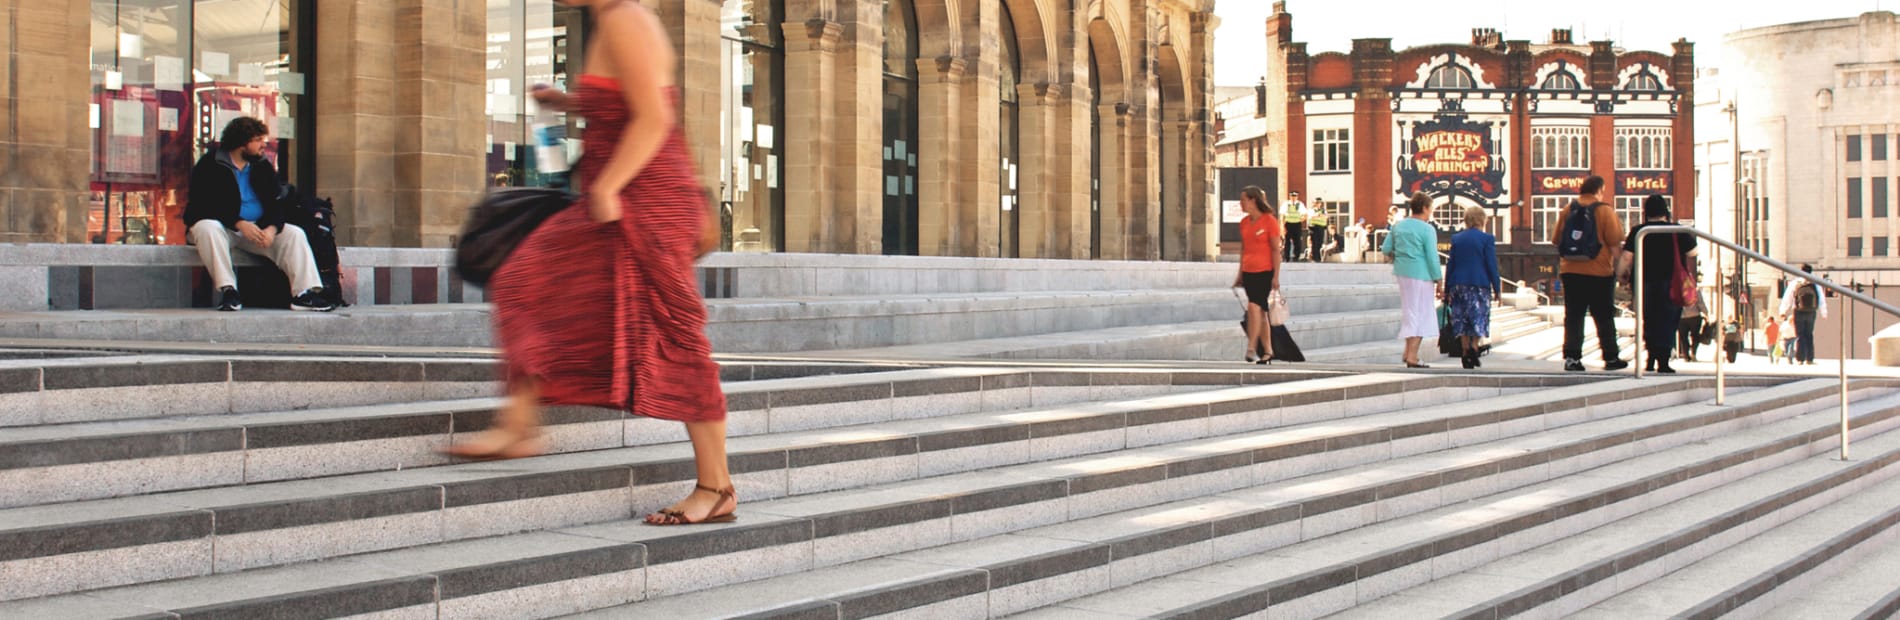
<point x="1521" y="286"/>
<point x="1721" y="383"/>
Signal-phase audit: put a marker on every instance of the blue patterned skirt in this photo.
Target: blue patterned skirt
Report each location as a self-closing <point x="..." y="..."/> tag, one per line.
<point x="1470" y="310"/>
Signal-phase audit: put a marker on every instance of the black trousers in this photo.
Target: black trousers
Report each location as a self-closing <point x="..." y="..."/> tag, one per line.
<point x="1295" y="248"/>
<point x="1594" y="297"/>
<point x="1661" y="321"/>
<point x="1689" y="336"/>
<point x="1318" y="236"/>
<point x="1804" y="337"/>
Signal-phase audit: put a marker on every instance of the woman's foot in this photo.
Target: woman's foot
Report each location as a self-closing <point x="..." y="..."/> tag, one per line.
<point x="497" y="444"/>
<point x="704" y="505"/>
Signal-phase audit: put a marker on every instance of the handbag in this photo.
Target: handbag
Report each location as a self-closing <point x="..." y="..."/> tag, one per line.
<point x="500" y="222"/>
<point x="1277" y="312"/>
<point x="1682" y="285"/>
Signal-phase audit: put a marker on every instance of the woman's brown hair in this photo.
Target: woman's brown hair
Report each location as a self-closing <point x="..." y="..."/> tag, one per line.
<point x="1419" y="203"/>
<point x="1258" y="195"/>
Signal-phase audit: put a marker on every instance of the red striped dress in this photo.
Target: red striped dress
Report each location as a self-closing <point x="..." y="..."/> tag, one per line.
<point x="609" y="315"/>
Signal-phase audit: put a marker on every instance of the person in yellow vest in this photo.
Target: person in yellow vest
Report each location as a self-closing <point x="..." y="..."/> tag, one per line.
<point x="1293" y="214"/>
<point x="1317" y="223"/>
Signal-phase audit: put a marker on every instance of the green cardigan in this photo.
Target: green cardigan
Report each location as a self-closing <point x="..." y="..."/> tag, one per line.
<point x="1413" y="246"/>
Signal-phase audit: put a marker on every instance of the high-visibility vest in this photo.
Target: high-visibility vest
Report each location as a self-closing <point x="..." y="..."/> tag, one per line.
<point x="1292" y="213"/>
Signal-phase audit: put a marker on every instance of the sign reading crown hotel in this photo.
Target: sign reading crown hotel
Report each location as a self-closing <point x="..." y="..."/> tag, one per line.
<point x="1452" y="156"/>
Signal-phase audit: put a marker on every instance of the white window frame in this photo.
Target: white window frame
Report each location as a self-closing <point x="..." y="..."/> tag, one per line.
<point x="1332" y="150"/>
<point x="1645" y="148"/>
<point x="1546" y="215"/>
<point x="1560" y="148"/>
<point x="1451" y="76"/>
<point x="1629" y="209"/>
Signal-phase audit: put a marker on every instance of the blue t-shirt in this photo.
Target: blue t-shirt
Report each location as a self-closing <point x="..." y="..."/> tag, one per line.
<point x="250" y="209"/>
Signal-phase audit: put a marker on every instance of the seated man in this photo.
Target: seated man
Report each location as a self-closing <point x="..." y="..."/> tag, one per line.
<point x="234" y="200"/>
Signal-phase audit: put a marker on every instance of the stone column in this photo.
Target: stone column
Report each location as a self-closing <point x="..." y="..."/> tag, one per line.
<point x="944" y="206"/>
<point x="860" y="147"/>
<point x="1072" y="178"/>
<point x="810" y="72"/>
<point x="1116" y="219"/>
<point x="45" y="139"/>
<point x="693" y="26"/>
<point x="1036" y="170"/>
<point x="400" y="144"/>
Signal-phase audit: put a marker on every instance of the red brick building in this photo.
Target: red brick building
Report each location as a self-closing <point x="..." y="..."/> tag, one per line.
<point x="1506" y="125"/>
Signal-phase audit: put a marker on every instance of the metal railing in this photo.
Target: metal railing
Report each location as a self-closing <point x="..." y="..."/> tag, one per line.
<point x="1721" y="382"/>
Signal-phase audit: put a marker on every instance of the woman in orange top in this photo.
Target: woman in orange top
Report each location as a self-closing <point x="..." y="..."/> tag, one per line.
<point x="1260" y="242"/>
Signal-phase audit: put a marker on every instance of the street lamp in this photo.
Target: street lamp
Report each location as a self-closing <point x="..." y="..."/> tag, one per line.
<point x="1742" y="291"/>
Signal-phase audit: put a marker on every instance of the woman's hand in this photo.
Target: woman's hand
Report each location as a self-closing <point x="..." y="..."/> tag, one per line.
<point x="549" y="97"/>
<point x="604" y="207"/>
<point x="1276" y="281"/>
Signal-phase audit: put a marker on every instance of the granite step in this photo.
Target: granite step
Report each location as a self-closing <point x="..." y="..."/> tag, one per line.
<point x="1563" y="578"/>
<point x="1506" y="326"/>
<point x="1020" y="570"/>
<point x="850" y="526"/>
<point x="1212" y="340"/>
<point x="68" y="462"/>
<point x="149" y="386"/>
<point x="1361" y="567"/>
<point x="1866" y="588"/>
<point x="170" y="535"/>
<point x="1754" y="577"/>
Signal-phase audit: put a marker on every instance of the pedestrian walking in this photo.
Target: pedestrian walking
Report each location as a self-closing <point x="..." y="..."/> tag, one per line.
<point x="1472" y="284"/>
<point x="1659" y="256"/>
<point x="1317" y="225"/>
<point x="1259" y="276"/>
<point x="1589" y="243"/>
<point x="1689" y="332"/>
<point x="1773" y="333"/>
<point x="1804" y="301"/>
<point x="1413" y="246"/>
<point x="599" y="305"/>
<point x="1293" y="215"/>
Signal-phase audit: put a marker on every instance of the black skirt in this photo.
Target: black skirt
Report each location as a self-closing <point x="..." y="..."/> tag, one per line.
<point x="1259" y="286"/>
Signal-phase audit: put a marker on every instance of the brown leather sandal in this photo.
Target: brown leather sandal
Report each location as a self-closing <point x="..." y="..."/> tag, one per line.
<point x="675" y="517"/>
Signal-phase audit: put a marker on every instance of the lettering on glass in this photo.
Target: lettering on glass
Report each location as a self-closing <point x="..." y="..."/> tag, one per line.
<point x="1643" y="182"/>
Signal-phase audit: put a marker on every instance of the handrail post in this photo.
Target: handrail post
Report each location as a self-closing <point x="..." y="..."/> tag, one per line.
<point x="1721" y="301"/>
<point x="1845" y="321"/>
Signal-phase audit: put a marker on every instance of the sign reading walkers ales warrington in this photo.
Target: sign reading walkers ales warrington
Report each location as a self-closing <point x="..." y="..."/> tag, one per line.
<point x="1635" y="183"/>
<point x="1450" y="155"/>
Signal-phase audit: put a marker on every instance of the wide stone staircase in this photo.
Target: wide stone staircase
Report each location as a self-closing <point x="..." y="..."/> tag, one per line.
<point x="195" y="486"/>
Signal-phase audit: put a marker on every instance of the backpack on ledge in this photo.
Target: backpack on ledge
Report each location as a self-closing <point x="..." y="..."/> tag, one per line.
<point x="317" y="218"/>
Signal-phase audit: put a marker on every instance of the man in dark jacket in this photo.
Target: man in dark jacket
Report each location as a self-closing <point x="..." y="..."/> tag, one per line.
<point x="235" y="200"/>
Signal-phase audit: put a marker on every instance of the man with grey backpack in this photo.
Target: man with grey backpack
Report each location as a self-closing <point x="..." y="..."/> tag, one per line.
<point x="1589" y="243"/>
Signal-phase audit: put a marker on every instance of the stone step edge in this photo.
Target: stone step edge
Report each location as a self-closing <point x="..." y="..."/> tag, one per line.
<point x="1121" y="478"/>
<point x="295" y="512"/>
<point x="1887" y="607"/>
<point x="650" y="469"/>
<point x="940" y="588"/>
<point x="1298" y="388"/>
<point x="1810" y="560"/>
<point x="1258" y="598"/>
<point x="1547" y="590"/>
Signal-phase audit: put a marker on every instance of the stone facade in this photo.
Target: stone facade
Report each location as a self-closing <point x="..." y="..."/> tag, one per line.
<point x="399" y="122"/>
<point x="1803" y="92"/>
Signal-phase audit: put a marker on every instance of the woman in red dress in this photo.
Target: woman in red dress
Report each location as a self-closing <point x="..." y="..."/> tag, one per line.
<point x="599" y="306"/>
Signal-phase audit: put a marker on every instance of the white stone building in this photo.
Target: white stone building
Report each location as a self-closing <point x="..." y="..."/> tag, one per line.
<point x="1817" y="109"/>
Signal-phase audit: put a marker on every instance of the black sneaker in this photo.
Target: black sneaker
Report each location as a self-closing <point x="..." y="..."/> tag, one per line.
<point x="1572" y="365"/>
<point x="1615" y="365"/>
<point x="312" y="301"/>
<point x="228" y="300"/>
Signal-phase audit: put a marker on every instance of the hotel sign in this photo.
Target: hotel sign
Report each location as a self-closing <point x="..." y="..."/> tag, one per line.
<point x="1452" y="156"/>
<point x="1634" y="183"/>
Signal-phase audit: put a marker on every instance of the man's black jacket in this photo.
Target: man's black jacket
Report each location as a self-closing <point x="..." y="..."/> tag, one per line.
<point x="214" y="192"/>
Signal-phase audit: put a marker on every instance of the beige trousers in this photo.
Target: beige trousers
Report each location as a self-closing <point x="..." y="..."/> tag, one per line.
<point x="290" y="251"/>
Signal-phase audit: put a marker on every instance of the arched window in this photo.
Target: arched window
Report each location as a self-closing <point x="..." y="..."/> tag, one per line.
<point x="1560" y="80"/>
<point x="900" y="127"/>
<point x="1537" y="152"/>
<point x="752" y="96"/>
<point x="1645" y="80"/>
<point x="1009" y="140"/>
<point x="1451" y="77"/>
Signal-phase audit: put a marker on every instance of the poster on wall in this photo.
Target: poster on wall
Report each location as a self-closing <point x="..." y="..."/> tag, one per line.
<point x="1451" y="155"/>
